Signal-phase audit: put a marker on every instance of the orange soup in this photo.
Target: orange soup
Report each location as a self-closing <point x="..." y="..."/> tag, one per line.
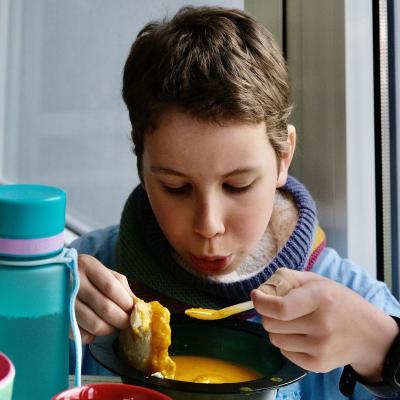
<point x="211" y="370"/>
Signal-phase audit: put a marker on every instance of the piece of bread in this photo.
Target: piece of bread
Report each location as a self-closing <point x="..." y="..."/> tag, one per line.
<point x="144" y="344"/>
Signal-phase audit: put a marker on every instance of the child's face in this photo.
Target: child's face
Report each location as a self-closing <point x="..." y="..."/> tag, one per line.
<point x="211" y="187"/>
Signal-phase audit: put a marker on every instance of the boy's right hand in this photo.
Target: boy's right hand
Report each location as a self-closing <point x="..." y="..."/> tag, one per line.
<point x="104" y="300"/>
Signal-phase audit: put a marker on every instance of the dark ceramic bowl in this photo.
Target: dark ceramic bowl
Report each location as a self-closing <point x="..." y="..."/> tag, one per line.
<point x="232" y="340"/>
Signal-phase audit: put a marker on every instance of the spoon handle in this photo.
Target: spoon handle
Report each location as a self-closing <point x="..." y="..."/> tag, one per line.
<point x="237" y="308"/>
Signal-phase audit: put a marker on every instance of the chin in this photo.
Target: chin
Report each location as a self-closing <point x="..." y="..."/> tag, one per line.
<point x="226" y="271"/>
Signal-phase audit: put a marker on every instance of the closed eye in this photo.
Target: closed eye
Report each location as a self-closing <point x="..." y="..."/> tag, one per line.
<point x="178" y="190"/>
<point x="237" y="189"/>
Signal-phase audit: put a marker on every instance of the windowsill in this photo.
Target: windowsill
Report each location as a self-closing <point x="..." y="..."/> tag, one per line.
<point x="89" y="379"/>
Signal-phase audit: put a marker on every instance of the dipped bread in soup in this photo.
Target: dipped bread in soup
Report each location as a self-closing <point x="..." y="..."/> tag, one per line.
<point x="144" y="346"/>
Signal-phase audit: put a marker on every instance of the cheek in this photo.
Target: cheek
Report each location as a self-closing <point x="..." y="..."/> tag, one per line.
<point x="172" y="219"/>
<point x="249" y="223"/>
<point x="172" y="224"/>
<point x="248" y="227"/>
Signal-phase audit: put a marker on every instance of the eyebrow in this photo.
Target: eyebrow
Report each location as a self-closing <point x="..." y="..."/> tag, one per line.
<point x="170" y="171"/>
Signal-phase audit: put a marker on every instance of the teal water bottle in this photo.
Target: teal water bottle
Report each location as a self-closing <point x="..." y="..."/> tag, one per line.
<point x="36" y="296"/>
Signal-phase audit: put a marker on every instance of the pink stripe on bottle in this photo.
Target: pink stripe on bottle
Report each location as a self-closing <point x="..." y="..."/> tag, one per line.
<point x="32" y="246"/>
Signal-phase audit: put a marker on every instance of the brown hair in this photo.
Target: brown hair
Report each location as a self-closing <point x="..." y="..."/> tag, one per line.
<point x="214" y="63"/>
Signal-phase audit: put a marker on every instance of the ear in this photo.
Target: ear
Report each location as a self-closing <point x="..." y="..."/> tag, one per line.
<point x="286" y="158"/>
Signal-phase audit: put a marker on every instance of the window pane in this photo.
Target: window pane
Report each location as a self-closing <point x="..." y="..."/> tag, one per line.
<point x="65" y="122"/>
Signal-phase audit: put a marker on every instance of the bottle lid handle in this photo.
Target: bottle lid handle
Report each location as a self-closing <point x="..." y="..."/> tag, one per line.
<point x="71" y="259"/>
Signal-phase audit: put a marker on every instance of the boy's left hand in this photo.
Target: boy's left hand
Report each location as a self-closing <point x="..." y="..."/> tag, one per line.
<point x="322" y="325"/>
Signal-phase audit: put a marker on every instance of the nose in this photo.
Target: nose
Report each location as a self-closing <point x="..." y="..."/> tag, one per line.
<point x="208" y="218"/>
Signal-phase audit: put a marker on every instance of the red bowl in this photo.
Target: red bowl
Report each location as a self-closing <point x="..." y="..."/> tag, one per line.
<point x="110" y="391"/>
<point x="7" y="370"/>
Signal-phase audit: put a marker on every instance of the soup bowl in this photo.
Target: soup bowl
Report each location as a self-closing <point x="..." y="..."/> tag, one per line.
<point x="236" y="341"/>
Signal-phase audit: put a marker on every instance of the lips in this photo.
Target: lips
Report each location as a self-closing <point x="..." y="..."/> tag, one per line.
<point x="210" y="263"/>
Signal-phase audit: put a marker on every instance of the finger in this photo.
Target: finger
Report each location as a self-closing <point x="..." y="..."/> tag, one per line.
<point x="302" y="277"/>
<point x="104" y="308"/>
<point x="280" y="283"/>
<point x="303" y="360"/>
<point x="90" y="321"/>
<point x="309" y="362"/>
<point x="297" y="303"/>
<point x="284" y="280"/>
<point x="304" y="325"/>
<point x="124" y="281"/>
<point x="105" y="281"/>
<point x="86" y="337"/>
<point x="293" y="343"/>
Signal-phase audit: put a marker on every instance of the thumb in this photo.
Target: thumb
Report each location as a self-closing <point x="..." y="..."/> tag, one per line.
<point x="280" y="283"/>
<point x="303" y="277"/>
<point x="285" y="279"/>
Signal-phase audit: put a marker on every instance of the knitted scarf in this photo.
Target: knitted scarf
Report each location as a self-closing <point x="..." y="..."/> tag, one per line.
<point x="144" y="255"/>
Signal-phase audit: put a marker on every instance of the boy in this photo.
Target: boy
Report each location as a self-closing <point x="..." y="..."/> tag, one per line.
<point x="216" y="213"/>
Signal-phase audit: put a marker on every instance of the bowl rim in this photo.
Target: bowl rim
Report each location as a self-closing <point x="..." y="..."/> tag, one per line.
<point x="104" y="352"/>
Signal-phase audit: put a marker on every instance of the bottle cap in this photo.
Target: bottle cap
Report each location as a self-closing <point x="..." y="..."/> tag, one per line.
<point x="32" y="219"/>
